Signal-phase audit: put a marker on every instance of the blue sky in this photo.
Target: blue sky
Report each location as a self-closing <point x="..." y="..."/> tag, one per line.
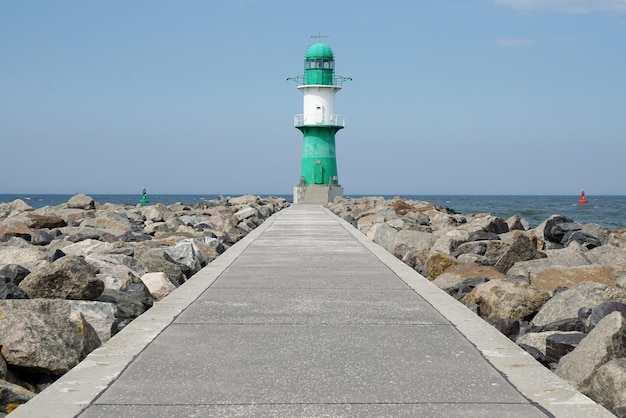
<point x="447" y="97"/>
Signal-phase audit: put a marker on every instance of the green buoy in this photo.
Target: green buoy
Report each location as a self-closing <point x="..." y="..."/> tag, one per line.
<point x="144" y="197"/>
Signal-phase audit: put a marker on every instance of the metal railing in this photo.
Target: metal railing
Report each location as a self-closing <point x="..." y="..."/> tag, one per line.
<point x="313" y="119"/>
<point x="337" y="80"/>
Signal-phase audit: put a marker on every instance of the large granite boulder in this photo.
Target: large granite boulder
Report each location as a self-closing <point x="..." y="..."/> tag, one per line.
<point x="508" y="298"/>
<point x="515" y="223"/>
<point x="113" y="273"/>
<point x="14" y="208"/>
<point x="155" y="261"/>
<point x="158" y="285"/>
<point x="45" y="221"/>
<point x="561" y="276"/>
<point x="489" y="223"/>
<point x="386" y="236"/>
<point x="408" y="240"/>
<point x="522" y="249"/>
<point x="26" y="255"/>
<point x="81" y="201"/>
<point x="102" y="316"/>
<point x="436" y="264"/>
<point x="607" y="385"/>
<point x="448" y="242"/>
<point x="70" y="277"/>
<point x="606" y="342"/>
<point x="556" y="226"/>
<point x="88" y="246"/>
<point x="187" y="255"/>
<point x="565" y="305"/>
<point x="128" y="307"/>
<point x="44" y="335"/>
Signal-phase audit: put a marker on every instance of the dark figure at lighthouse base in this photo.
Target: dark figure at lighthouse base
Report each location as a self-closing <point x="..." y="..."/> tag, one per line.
<point x="319" y="182"/>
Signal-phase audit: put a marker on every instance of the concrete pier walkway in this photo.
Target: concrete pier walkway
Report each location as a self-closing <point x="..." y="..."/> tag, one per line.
<point x="307" y="317"/>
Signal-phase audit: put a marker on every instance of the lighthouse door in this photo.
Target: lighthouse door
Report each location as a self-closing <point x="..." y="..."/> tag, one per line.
<point x="319" y="113"/>
<point x="318" y="173"/>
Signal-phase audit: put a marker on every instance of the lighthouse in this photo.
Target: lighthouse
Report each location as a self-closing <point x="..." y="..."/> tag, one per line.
<point x="319" y="182"/>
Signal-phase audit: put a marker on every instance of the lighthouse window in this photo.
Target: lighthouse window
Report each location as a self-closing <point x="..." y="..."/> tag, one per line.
<point x="320" y="63"/>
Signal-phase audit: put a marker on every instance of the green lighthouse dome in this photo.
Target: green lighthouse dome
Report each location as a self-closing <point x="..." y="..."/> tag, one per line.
<point x="319" y="50"/>
<point x="319" y="65"/>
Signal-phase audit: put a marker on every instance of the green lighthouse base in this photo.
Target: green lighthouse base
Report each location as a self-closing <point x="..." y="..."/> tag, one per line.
<point x="316" y="193"/>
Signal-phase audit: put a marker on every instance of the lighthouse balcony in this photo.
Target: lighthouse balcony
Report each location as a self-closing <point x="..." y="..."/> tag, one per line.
<point x="319" y="120"/>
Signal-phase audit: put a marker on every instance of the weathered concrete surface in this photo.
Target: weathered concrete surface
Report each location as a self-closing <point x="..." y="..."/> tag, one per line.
<point x="307" y="317"/>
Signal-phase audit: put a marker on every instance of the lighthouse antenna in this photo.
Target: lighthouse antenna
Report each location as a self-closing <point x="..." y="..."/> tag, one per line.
<point x="319" y="36"/>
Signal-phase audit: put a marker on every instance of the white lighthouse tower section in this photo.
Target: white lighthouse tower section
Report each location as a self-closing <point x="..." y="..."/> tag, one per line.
<point x="319" y="105"/>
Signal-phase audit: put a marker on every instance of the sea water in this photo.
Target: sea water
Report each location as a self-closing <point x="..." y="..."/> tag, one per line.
<point x="609" y="211"/>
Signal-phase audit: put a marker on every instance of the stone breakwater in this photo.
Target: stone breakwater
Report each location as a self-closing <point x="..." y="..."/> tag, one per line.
<point x="73" y="275"/>
<point x="557" y="290"/>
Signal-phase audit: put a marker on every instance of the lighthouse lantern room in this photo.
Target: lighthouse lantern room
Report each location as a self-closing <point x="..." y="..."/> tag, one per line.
<point x="319" y="182"/>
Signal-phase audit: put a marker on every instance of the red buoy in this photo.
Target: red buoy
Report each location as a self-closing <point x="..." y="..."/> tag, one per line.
<point x="582" y="200"/>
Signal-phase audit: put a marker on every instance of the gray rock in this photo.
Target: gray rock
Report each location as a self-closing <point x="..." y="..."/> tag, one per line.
<point x="13" y="273"/>
<point x="24" y="254"/>
<point x="14" y="208"/>
<point x="606" y="342"/>
<point x="155" y="261"/>
<point x="153" y="228"/>
<point x="567" y="257"/>
<point x="102" y="316"/>
<point x="585" y="240"/>
<point x="54" y="254"/>
<point x="128" y="308"/>
<point x="406" y="240"/>
<point x="11" y="291"/>
<point x="462" y="289"/>
<point x="112" y="272"/>
<point x="81" y="201"/>
<point x="515" y="223"/>
<point x="489" y="223"/>
<point x="45" y="221"/>
<point x="12" y="395"/>
<point x="88" y="246"/>
<point x="507" y="298"/>
<point x="187" y="255"/>
<point x="246" y="213"/>
<point x="565" y="305"/>
<point x="70" y="277"/>
<point x="608" y="384"/>
<point x="450" y="241"/>
<point x="522" y="249"/>
<point x="538" y="339"/>
<point x="556" y="226"/>
<point x="509" y="327"/>
<point x="560" y="344"/>
<point x="603" y="309"/>
<point x="606" y="255"/>
<point x="597" y="231"/>
<point x="194" y="221"/>
<point x="41" y="237"/>
<point x="385" y="236"/>
<point x="43" y="335"/>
